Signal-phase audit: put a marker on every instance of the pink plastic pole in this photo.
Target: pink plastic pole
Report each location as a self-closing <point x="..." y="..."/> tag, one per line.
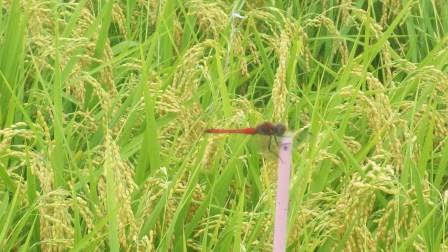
<point x="282" y="199"/>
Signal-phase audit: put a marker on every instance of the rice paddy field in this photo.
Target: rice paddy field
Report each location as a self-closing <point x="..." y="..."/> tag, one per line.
<point x="104" y="105"/>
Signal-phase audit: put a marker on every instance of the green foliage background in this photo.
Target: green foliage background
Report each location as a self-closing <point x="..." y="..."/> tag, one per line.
<point x="103" y="107"/>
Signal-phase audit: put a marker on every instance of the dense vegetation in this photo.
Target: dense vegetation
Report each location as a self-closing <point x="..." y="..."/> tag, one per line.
<point x="103" y="107"/>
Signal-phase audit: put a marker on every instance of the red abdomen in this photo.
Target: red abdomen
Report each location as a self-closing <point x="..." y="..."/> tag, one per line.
<point x="245" y="131"/>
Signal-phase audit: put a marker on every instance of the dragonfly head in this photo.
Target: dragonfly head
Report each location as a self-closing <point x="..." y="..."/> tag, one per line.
<point x="279" y="129"/>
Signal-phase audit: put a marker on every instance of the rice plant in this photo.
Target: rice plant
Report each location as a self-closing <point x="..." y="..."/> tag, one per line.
<point x="104" y="105"/>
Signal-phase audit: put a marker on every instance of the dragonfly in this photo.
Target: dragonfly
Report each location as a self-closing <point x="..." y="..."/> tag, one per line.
<point x="273" y="130"/>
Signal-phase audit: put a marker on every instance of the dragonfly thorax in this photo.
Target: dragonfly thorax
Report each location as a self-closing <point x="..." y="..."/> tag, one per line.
<point x="270" y="129"/>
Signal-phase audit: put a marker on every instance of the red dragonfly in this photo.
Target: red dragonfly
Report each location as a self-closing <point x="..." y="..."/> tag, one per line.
<point x="266" y="129"/>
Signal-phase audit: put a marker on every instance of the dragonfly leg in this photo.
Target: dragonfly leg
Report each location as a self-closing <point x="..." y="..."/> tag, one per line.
<point x="275" y="151"/>
<point x="269" y="143"/>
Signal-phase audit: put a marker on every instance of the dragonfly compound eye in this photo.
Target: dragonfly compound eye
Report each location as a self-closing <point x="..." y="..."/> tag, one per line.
<point x="279" y="129"/>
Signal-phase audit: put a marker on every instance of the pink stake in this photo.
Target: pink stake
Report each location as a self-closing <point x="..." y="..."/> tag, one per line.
<point x="282" y="199"/>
